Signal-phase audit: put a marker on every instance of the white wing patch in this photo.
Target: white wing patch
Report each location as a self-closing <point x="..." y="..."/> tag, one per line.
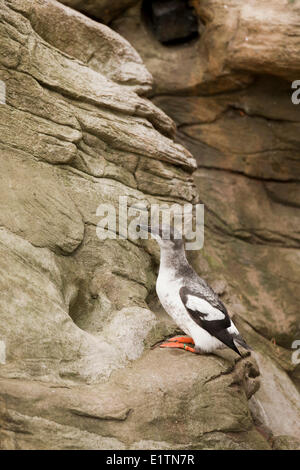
<point x="233" y="329"/>
<point x="197" y="304"/>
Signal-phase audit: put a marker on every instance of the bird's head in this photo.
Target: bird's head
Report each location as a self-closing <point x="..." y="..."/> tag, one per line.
<point x="166" y="237"/>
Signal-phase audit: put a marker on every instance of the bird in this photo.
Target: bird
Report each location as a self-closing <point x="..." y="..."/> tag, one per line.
<point x="190" y="301"/>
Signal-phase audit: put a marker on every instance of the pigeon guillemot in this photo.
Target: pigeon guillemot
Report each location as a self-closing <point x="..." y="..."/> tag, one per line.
<point x="190" y="301"/>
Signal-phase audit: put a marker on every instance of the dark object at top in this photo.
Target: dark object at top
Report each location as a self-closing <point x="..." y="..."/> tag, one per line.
<point x="172" y="21"/>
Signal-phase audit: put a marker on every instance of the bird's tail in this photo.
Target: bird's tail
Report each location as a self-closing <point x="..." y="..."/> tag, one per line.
<point x="241" y="342"/>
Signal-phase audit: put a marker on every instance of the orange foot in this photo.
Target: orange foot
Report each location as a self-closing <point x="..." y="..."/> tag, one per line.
<point x="179" y="342"/>
<point x="181" y="339"/>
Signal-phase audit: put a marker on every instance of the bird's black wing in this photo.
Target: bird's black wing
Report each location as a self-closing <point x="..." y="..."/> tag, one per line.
<point x="211" y="316"/>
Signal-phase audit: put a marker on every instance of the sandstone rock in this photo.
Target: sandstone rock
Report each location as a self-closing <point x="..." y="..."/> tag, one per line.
<point x="93" y="44"/>
<point x="72" y="135"/>
<point x="277" y="393"/>
<point x="196" y="71"/>
<point x="251" y="132"/>
<point x="75" y="134"/>
<point x="231" y="101"/>
<point x="238" y="36"/>
<point x="103" y="10"/>
<point x="79" y="316"/>
<point x="145" y="406"/>
<point x="286" y="443"/>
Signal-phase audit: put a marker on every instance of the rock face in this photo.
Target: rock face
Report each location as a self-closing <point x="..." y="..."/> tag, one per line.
<point x="231" y="101"/>
<point x="103" y="10"/>
<point x="71" y="139"/>
<point x="78" y="315"/>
